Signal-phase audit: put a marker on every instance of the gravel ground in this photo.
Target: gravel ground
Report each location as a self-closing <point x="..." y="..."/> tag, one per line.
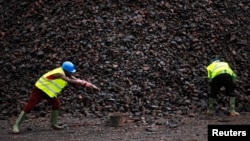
<point x="182" y="128"/>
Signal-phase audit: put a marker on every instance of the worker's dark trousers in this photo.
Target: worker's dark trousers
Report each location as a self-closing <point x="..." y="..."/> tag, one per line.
<point x="220" y="81"/>
<point x="36" y="96"/>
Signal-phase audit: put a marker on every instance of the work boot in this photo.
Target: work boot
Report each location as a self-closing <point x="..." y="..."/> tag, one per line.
<point x="54" y="118"/>
<point x="210" y="110"/>
<point x="18" y="122"/>
<point x="232" y="107"/>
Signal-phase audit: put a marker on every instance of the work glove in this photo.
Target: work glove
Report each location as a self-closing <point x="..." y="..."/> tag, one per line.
<point x="95" y="87"/>
<point x="82" y="83"/>
<point x="87" y="84"/>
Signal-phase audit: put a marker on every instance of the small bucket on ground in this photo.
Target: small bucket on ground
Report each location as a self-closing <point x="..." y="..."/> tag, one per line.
<point x="117" y="119"/>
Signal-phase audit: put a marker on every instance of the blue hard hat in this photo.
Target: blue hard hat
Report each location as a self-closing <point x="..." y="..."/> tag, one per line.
<point x="68" y="66"/>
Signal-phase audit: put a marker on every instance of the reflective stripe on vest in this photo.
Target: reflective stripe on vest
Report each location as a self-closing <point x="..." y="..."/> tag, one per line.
<point x="51" y="87"/>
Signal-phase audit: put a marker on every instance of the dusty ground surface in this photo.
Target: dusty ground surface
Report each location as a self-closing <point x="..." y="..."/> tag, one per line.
<point x="90" y="128"/>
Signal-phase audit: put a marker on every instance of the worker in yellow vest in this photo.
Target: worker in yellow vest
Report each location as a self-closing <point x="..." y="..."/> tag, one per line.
<point x="48" y="87"/>
<point x="220" y="74"/>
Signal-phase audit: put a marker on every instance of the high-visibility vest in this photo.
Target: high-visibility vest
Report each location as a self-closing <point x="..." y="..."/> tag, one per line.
<point x="217" y="68"/>
<point x="51" y="87"/>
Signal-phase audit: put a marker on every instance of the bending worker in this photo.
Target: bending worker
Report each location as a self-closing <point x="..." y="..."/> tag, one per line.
<point x="48" y="87"/>
<point x="220" y="74"/>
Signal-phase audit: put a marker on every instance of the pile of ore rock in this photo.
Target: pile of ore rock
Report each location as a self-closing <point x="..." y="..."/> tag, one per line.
<point x="149" y="57"/>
